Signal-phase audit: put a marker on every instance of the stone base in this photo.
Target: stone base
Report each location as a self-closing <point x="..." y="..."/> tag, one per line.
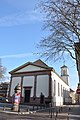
<point x="15" y="108"/>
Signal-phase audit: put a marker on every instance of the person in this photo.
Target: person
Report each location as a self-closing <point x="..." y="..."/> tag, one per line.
<point x="41" y="98"/>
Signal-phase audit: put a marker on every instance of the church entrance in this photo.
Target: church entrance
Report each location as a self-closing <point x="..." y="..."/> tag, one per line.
<point x="27" y="93"/>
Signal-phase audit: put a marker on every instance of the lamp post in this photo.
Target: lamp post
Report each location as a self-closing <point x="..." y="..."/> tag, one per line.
<point x="16" y="98"/>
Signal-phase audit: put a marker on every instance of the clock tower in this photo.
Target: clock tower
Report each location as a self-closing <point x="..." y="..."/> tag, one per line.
<point x="65" y="74"/>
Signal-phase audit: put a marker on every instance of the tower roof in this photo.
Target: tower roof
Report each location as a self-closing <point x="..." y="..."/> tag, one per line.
<point x="64" y="66"/>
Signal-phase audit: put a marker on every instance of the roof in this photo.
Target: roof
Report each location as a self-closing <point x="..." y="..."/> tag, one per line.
<point x="41" y="63"/>
<point x="38" y="63"/>
<point x="64" y="66"/>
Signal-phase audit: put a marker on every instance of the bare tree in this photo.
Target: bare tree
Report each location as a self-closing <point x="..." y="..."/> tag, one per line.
<point x="62" y="19"/>
<point x="2" y="72"/>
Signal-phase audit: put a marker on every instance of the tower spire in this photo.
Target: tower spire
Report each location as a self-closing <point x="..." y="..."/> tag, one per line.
<point x="63" y="61"/>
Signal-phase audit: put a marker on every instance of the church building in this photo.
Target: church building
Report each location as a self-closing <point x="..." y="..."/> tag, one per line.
<point x="39" y="81"/>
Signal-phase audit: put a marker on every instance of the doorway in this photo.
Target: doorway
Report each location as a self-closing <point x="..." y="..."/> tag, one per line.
<point x="27" y="96"/>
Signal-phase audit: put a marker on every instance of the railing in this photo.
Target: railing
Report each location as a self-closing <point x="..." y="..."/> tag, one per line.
<point x="52" y="111"/>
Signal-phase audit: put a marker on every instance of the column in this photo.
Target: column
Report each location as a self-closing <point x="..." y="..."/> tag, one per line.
<point x="35" y="83"/>
<point x="21" y="85"/>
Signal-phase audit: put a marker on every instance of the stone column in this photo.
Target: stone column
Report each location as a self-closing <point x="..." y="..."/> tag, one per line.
<point x="35" y="82"/>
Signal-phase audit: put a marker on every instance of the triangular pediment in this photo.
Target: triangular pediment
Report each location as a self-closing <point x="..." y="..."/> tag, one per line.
<point x="31" y="66"/>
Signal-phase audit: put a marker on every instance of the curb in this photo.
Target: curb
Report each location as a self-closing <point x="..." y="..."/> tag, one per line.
<point x="12" y="112"/>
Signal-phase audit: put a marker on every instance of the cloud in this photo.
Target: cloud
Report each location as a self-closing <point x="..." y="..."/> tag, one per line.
<point x="20" y="18"/>
<point x="18" y="55"/>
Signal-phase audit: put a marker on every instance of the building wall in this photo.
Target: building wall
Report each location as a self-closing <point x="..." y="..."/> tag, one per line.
<point x="58" y="97"/>
<point x="4" y="89"/>
<point x="28" y="81"/>
<point x="42" y="85"/>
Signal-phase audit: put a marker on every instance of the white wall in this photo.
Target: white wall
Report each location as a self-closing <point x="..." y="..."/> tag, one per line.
<point x="28" y="81"/>
<point x="30" y="68"/>
<point x="58" y="99"/>
<point x="42" y="85"/>
<point x="15" y="81"/>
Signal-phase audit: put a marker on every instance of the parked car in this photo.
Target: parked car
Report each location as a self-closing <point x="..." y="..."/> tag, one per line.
<point x="0" y="97"/>
<point x="4" y="99"/>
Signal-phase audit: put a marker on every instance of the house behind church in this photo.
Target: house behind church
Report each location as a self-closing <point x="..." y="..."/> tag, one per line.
<point x="36" y="78"/>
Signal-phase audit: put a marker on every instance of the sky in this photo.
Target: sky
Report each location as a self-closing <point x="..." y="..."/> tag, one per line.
<point x="20" y="32"/>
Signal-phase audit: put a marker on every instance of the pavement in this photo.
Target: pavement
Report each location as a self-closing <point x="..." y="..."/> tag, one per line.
<point x="69" y="112"/>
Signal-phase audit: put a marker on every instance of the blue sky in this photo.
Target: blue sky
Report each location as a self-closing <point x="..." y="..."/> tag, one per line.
<point x="20" y="31"/>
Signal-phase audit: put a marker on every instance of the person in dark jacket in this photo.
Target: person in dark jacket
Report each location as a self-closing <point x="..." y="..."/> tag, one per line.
<point x="41" y="98"/>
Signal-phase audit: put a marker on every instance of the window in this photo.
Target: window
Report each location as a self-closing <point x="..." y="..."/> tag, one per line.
<point x="58" y="89"/>
<point x="64" y="73"/>
<point x="61" y="91"/>
<point x="54" y="87"/>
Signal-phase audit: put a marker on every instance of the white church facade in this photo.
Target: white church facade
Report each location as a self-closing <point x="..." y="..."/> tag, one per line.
<point x="36" y="78"/>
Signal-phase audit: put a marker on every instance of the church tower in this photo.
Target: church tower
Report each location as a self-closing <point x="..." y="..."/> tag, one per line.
<point x="65" y="74"/>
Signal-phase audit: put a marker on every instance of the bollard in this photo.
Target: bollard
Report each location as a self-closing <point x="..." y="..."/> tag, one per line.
<point x="37" y="107"/>
<point x="51" y="113"/>
<point x="68" y="117"/>
<point x="3" y="108"/>
<point x="55" y="118"/>
<point x="56" y="114"/>
<point x="50" y="109"/>
<point x="61" y="109"/>
<point x="69" y="108"/>
<point x="18" y="108"/>
<point x="33" y="107"/>
<point x="28" y="108"/>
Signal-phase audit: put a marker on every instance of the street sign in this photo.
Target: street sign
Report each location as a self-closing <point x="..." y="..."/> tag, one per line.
<point x="78" y="91"/>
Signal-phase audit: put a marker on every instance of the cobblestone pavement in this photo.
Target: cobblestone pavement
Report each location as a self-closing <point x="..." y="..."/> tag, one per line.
<point x="66" y="113"/>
